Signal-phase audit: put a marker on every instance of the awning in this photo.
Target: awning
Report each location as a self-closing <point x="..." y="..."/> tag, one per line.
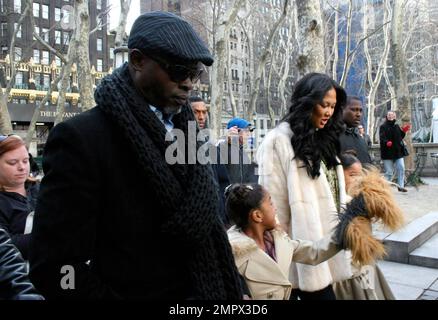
<point x="24" y="112"/>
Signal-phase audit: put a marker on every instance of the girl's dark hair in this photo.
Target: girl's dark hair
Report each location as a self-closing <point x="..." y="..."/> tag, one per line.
<point x="348" y="158"/>
<point x="240" y="200"/>
<point x="313" y="145"/>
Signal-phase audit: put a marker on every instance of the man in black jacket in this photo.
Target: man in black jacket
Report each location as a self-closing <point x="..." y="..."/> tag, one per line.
<point x="351" y="139"/>
<point x="115" y="219"/>
<point x="391" y="149"/>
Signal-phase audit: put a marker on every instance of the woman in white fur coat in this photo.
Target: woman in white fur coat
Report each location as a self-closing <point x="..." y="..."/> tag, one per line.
<point x="299" y="166"/>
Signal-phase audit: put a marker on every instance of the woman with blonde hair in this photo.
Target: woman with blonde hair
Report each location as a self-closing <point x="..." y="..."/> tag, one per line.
<point x="18" y="191"/>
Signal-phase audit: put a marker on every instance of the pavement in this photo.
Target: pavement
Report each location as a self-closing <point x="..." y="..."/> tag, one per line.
<point x="410" y="282"/>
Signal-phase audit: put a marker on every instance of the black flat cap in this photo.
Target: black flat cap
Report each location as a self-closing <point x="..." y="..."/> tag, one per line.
<point x="164" y="33"/>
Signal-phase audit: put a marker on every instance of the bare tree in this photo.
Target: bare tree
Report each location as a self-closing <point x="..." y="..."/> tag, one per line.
<point x="264" y="58"/>
<point x="398" y="58"/>
<point x="123" y="18"/>
<point x="222" y="23"/>
<point x="81" y="40"/>
<point x="5" y="118"/>
<point x="374" y="81"/>
<point x="311" y="56"/>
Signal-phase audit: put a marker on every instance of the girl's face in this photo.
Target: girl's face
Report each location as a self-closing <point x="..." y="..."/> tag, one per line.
<point x="14" y="167"/>
<point x="268" y="210"/>
<point x="352" y="173"/>
<point x="323" y="111"/>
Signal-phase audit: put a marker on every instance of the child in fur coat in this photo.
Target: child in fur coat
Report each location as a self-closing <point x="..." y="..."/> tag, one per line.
<point x="372" y="194"/>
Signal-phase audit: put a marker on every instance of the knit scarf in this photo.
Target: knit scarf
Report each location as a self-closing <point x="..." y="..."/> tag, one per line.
<point x="186" y="194"/>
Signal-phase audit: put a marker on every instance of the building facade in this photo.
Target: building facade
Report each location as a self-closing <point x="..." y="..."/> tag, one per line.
<point x="36" y="66"/>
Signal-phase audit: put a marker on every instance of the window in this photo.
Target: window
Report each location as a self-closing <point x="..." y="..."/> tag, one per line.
<point x="111" y="53"/>
<point x="99" y="65"/>
<point x="57" y="14"/>
<point x="45" y="34"/>
<point x="46" y="81"/>
<point x="45" y="57"/>
<point x="66" y="36"/>
<point x="36" y="55"/>
<point x="19" y="29"/>
<point x="19" y="78"/>
<point x="18" y="54"/>
<point x="45" y="11"/>
<point x="99" y="44"/>
<point x="37" y="31"/>
<point x="17" y="6"/>
<point x="57" y="37"/>
<point x="65" y="16"/>
<point x="99" y="4"/>
<point x="2" y="5"/>
<point x="36" y="10"/>
<point x="4" y="29"/>
<point x="58" y="61"/>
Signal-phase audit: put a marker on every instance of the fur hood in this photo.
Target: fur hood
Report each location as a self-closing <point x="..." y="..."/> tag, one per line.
<point x="242" y="245"/>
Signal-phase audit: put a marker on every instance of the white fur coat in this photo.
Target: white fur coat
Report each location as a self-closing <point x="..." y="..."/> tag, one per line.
<point x="306" y="208"/>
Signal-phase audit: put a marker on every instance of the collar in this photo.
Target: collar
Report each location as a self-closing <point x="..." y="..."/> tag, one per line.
<point x="166" y="119"/>
<point x="352" y="130"/>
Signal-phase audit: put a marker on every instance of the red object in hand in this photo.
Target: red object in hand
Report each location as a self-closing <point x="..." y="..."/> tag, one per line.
<point x="389" y="144"/>
<point x="406" y="128"/>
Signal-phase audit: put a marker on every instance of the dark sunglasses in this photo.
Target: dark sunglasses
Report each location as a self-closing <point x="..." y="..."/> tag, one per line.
<point x="177" y="72"/>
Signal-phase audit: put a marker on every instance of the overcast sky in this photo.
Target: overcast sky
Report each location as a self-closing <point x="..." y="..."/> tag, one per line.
<point x="134" y="12"/>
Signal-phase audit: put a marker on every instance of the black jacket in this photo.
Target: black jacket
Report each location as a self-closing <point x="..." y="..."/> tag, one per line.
<point x="389" y="131"/>
<point x="14" y="209"/>
<point x="351" y="140"/>
<point x="104" y="208"/>
<point x="239" y="167"/>
<point x="14" y="281"/>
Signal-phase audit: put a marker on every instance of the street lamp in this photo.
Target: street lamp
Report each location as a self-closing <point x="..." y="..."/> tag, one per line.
<point x="121" y="55"/>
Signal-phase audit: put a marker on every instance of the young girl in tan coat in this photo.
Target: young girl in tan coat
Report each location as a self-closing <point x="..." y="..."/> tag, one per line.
<point x="262" y="251"/>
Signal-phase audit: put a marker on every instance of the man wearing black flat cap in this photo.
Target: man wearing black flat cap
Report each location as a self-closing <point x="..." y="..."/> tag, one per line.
<point x="125" y="222"/>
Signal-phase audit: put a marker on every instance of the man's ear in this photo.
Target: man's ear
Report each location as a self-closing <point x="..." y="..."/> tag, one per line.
<point x="137" y="59"/>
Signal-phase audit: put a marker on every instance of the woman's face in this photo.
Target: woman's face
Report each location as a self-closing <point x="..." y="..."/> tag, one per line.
<point x="14" y="167"/>
<point x="352" y="173"/>
<point x="324" y="111"/>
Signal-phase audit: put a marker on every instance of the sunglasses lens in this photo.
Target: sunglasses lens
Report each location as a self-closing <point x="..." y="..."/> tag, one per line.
<point x="180" y="73"/>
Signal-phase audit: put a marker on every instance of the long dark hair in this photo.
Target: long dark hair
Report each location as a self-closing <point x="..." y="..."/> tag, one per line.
<point x="312" y="145"/>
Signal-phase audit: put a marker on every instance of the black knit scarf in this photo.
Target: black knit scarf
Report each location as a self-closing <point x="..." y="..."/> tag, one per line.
<point x="186" y="195"/>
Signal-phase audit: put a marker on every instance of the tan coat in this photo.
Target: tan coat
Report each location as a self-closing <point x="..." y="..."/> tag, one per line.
<point x="266" y="278"/>
<point x="306" y="208"/>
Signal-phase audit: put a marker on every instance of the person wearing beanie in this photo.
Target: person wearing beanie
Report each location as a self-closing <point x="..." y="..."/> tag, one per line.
<point x="392" y="149"/>
<point x="127" y="222"/>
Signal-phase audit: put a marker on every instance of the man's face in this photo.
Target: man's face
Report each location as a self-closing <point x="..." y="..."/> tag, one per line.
<point x="391" y="116"/>
<point x="352" y="113"/>
<point x="164" y="84"/>
<point x="201" y="114"/>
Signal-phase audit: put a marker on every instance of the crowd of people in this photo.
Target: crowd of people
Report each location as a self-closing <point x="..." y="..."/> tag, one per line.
<point x="129" y="225"/>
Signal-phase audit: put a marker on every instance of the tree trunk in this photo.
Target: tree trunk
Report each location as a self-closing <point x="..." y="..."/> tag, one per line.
<point x="5" y="118"/>
<point x="263" y="60"/>
<point x="374" y="82"/>
<point x="310" y="37"/>
<point x="123" y="18"/>
<point x="398" y="58"/>
<point x="82" y="40"/>
<point x="217" y="70"/>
